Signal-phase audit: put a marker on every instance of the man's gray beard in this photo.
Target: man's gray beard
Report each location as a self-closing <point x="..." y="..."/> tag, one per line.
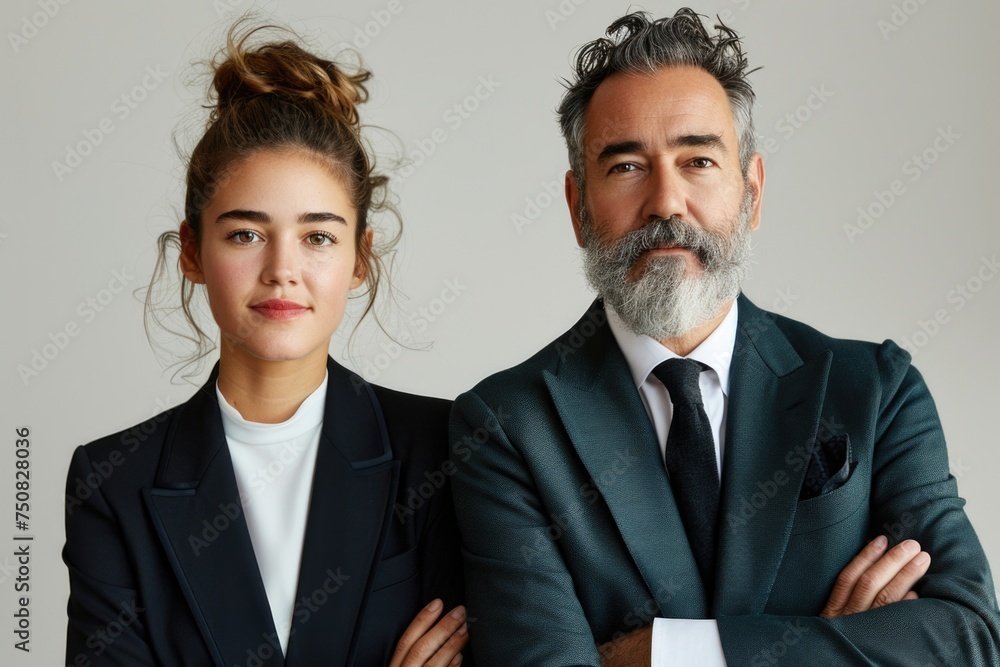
<point x="665" y="302"/>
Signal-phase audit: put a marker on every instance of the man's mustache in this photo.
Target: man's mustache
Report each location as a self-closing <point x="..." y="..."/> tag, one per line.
<point x="666" y="232"/>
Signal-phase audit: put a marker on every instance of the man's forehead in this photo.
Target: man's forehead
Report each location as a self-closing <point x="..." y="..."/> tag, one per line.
<point x="673" y="101"/>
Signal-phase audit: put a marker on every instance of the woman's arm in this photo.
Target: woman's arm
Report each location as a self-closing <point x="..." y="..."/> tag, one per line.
<point x="105" y="611"/>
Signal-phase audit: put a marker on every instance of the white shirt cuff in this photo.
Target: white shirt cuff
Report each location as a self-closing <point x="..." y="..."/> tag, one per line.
<point x="685" y="642"/>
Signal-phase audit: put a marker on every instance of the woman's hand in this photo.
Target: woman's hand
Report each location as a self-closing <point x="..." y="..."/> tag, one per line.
<point x="429" y="644"/>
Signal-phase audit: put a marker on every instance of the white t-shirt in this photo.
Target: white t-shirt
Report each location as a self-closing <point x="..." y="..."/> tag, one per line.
<point x="274" y="466"/>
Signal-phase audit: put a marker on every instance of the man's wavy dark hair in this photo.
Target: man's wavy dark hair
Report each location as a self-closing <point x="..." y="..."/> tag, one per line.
<point x="637" y="44"/>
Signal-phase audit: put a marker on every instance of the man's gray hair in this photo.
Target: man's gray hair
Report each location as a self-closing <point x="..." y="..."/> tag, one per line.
<point x="637" y="44"/>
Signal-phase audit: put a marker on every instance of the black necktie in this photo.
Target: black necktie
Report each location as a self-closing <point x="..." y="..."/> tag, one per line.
<point x="691" y="461"/>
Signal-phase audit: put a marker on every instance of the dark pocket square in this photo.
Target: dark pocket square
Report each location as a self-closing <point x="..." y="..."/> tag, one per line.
<point x="829" y="467"/>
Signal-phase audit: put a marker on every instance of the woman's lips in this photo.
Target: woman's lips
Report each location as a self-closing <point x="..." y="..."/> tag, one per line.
<point x="279" y="309"/>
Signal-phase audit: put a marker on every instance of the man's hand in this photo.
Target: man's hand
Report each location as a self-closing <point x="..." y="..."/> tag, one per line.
<point x="425" y="643"/>
<point x="876" y="578"/>
<point x="633" y="650"/>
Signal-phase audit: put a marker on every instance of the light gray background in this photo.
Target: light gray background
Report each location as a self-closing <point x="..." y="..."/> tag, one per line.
<point x="890" y="93"/>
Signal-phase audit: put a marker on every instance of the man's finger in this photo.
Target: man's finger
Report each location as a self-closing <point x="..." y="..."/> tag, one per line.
<point x="902" y="584"/>
<point x="878" y="576"/>
<point x="843" y="588"/>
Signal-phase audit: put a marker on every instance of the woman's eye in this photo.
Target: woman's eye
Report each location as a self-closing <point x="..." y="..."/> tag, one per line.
<point x="244" y="236"/>
<point x="321" y="239"/>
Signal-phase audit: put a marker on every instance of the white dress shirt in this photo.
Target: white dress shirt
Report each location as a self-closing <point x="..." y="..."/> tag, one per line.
<point x="274" y="466"/>
<point x="683" y="642"/>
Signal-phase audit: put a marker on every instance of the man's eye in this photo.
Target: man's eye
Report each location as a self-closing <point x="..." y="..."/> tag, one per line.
<point x="622" y="168"/>
<point x="702" y="162"/>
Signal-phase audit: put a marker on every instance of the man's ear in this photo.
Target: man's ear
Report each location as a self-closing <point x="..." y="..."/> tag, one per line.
<point x="755" y="181"/>
<point x="361" y="263"/>
<point x="190" y="257"/>
<point x="573" y="201"/>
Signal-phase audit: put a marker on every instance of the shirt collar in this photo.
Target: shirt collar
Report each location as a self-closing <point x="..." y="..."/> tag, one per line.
<point x="643" y="354"/>
<point x="308" y="416"/>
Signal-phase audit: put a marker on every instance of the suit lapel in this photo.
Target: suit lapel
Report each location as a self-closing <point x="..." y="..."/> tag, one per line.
<point x="773" y="414"/>
<point x="198" y="516"/>
<point x="606" y="420"/>
<point x="199" y="519"/>
<point x="349" y="515"/>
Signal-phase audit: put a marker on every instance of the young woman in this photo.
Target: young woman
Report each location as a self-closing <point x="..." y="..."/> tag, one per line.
<point x="269" y="520"/>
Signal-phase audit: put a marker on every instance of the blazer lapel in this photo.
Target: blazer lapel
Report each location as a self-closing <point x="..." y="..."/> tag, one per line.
<point x="773" y="415"/>
<point x="605" y="418"/>
<point x="349" y="515"/>
<point x="195" y="507"/>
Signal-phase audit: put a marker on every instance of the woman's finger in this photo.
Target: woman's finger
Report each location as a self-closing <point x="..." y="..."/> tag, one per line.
<point x="423" y="621"/>
<point x="424" y="650"/>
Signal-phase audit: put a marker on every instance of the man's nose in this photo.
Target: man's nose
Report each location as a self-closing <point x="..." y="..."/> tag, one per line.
<point x="666" y="195"/>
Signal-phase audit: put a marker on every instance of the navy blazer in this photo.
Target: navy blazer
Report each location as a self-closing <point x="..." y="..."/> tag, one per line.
<point x="572" y="535"/>
<point x="162" y="570"/>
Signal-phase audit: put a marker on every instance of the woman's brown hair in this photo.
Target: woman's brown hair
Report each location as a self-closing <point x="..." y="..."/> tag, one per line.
<point x="275" y="95"/>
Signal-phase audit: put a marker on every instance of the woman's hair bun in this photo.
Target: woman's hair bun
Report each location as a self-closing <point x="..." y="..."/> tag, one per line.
<point x="247" y="69"/>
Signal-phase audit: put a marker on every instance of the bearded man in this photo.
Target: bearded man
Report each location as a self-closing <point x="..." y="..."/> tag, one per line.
<point x="683" y="478"/>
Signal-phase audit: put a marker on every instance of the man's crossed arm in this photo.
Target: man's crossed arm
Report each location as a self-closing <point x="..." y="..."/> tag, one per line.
<point x="874" y="578"/>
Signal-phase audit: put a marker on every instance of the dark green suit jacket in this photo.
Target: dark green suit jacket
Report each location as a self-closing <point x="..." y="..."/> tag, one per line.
<point x="572" y="536"/>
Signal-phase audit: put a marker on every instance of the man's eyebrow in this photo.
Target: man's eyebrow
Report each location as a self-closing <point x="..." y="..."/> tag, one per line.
<point x="618" y="148"/>
<point x="636" y="146"/>
<point x="702" y="140"/>
<point x="262" y="217"/>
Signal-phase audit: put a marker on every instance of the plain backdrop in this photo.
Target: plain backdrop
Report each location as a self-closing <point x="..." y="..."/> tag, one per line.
<point x="877" y="119"/>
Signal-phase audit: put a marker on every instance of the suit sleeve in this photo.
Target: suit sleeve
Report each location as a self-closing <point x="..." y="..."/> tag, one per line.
<point x="440" y="555"/>
<point x="955" y="621"/>
<point x="105" y="612"/>
<point x="518" y="587"/>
